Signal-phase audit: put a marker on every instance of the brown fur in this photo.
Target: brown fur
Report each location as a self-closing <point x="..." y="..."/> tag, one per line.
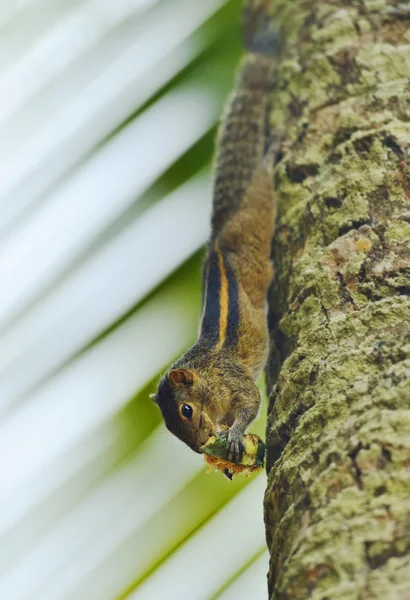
<point x="247" y="237"/>
<point x="214" y="381"/>
<point x="241" y="137"/>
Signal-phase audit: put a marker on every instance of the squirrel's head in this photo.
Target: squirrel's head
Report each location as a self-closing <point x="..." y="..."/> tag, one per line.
<point x="179" y="398"/>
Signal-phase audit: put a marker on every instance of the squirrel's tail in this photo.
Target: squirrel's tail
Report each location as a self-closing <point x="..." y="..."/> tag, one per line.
<point x="263" y="44"/>
<point x="259" y="32"/>
<point x="243" y="137"/>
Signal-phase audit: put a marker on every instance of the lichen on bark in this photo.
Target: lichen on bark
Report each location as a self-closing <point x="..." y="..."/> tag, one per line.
<point x="337" y="504"/>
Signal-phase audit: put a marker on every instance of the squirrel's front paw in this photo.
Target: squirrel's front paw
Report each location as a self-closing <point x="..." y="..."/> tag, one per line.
<point x="235" y="445"/>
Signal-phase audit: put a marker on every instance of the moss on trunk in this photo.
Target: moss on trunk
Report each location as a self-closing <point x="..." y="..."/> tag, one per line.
<point x="337" y="504"/>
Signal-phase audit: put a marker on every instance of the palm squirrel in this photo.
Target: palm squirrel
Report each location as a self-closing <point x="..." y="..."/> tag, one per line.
<point x="213" y="383"/>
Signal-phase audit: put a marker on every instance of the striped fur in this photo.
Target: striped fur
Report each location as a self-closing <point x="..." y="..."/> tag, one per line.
<point x="216" y="376"/>
<point x="221" y="311"/>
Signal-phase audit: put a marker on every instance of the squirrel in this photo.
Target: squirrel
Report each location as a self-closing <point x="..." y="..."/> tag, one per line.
<point x="213" y="384"/>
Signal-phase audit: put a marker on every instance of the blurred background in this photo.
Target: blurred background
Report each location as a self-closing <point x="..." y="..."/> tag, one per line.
<point x="108" y="111"/>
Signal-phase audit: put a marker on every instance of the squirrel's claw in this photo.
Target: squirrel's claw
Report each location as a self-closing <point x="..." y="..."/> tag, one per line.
<point x="235" y="445"/>
<point x="228" y="474"/>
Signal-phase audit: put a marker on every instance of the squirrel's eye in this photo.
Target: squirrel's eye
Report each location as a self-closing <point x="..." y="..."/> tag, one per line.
<point x="186" y="411"/>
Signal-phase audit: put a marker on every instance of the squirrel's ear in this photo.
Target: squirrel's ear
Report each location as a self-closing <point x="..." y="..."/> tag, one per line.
<point x="154" y="398"/>
<point x="181" y="377"/>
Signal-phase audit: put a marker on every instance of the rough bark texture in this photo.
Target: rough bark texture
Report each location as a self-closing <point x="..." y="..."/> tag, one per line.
<point x="337" y="505"/>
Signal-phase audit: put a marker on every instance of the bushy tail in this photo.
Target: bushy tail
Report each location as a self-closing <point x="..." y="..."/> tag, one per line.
<point x="242" y="137"/>
<point x="259" y="32"/>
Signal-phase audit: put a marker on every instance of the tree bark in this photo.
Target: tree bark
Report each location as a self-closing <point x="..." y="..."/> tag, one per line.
<point x="337" y="504"/>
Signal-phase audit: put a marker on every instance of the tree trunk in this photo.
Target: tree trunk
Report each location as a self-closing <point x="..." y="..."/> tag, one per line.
<point x="337" y="504"/>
